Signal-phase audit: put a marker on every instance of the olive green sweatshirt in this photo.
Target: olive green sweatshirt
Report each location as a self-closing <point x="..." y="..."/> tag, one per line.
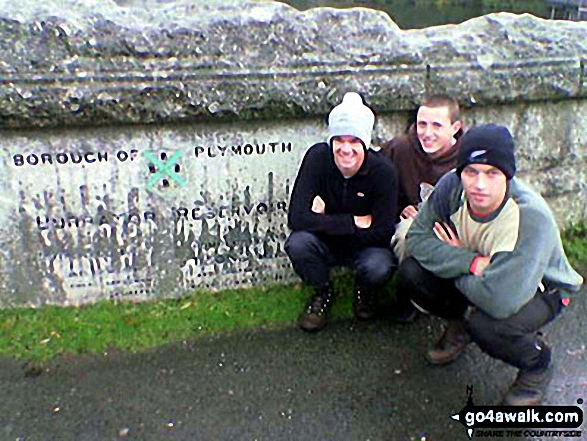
<point x="521" y="237"/>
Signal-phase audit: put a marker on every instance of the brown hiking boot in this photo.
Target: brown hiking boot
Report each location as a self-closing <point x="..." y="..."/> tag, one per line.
<point x="452" y="343"/>
<point x="314" y="316"/>
<point x="363" y="304"/>
<point x="529" y="387"/>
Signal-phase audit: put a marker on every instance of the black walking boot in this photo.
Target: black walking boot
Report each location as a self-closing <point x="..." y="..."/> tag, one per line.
<point x="314" y="316"/>
<point x="452" y="343"/>
<point x="364" y="303"/>
<point x="529" y="387"/>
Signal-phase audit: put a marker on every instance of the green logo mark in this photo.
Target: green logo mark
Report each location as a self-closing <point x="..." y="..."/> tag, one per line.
<point x="164" y="169"/>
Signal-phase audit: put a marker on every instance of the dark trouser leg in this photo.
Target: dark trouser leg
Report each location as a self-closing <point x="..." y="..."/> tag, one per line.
<point x="431" y="293"/>
<point x="374" y="266"/>
<point x="515" y="339"/>
<point x="310" y="257"/>
<point x="439" y="297"/>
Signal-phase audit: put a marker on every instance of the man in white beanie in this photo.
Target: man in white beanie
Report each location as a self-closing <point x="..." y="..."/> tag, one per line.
<point x="342" y="212"/>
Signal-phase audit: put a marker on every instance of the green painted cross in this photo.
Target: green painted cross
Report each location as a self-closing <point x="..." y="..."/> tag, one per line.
<point x="164" y="169"/>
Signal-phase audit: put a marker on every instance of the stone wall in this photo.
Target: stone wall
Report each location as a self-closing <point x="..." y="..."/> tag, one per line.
<point x="149" y="148"/>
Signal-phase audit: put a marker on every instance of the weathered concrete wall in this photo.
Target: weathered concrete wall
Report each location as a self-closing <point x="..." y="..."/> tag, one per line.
<point x="149" y="149"/>
<point x="147" y="210"/>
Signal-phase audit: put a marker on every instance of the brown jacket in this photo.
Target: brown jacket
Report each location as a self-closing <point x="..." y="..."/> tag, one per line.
<point x="414" y="166"/>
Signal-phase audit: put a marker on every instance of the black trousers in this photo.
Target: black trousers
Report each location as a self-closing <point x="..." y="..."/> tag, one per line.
<point x="514" y="340"/>
<point x="312" y="260"/>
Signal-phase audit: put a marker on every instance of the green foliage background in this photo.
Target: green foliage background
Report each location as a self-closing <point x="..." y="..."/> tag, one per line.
<point x="413" y="14"/>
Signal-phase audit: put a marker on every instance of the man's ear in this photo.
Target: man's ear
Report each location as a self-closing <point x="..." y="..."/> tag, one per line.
<point x="456" y="126"/>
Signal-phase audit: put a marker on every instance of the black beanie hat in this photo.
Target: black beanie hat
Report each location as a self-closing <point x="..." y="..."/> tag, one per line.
<point x="488" y="144"/>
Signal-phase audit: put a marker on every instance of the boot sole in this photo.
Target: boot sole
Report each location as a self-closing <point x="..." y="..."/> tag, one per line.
<point x="311" y="327"/>
<point x="444" y="361"/>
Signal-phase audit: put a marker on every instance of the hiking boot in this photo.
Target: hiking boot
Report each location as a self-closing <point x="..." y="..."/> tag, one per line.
<point x="363" y="304"/>
<point x="314" y="316"/>
<point x="452" y="343"/>
<point x="529" y="387"/>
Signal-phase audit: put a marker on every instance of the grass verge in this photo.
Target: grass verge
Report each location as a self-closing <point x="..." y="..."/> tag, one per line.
<point x="41" y="334"/>
<point x="38" y="335"/>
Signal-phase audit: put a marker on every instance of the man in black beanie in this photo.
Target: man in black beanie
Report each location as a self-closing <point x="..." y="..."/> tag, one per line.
<point x="486" y="255"/>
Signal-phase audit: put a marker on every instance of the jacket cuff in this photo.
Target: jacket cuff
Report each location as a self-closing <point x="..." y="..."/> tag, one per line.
<point x="474" y="263"/>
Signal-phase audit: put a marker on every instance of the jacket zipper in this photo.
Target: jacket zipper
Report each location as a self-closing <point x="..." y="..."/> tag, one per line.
<point x="344" y="193"/>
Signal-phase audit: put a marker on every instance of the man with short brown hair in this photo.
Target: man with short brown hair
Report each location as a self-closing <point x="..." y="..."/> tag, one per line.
<point x="426" y="152"/>
<point x="421" y="157"/>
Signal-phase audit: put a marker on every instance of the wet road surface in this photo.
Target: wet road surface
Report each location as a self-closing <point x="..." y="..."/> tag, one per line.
<point x="349" y="382"/>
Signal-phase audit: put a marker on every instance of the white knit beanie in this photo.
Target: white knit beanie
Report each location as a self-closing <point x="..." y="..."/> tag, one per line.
<point x="351" y="118"/>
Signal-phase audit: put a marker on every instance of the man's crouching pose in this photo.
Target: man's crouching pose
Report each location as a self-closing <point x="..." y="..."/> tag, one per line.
<point x="486" y="254"/>
<point x="342" y="212"/>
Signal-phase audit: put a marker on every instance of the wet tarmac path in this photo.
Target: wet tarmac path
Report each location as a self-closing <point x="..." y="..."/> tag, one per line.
<point x="349" y="382"/>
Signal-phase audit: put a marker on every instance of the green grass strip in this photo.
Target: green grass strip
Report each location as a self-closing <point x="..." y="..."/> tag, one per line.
<point x="40" y="334"/>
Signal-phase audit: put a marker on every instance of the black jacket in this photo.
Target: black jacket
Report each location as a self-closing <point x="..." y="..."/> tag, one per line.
<point x="372" y="190"/>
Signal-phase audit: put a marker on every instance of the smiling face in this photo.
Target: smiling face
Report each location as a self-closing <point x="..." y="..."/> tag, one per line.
<point x="349" y="154"/>
<point x="485" y="187"/>
<point x="435" y="129"/>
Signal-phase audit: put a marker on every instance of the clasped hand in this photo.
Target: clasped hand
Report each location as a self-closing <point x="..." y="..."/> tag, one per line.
<point x="446" y="234"/>
<point x="319" y="207"/>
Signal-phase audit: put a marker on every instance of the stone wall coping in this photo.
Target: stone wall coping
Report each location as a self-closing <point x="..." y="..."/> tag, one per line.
<point x="99" y="63"/>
